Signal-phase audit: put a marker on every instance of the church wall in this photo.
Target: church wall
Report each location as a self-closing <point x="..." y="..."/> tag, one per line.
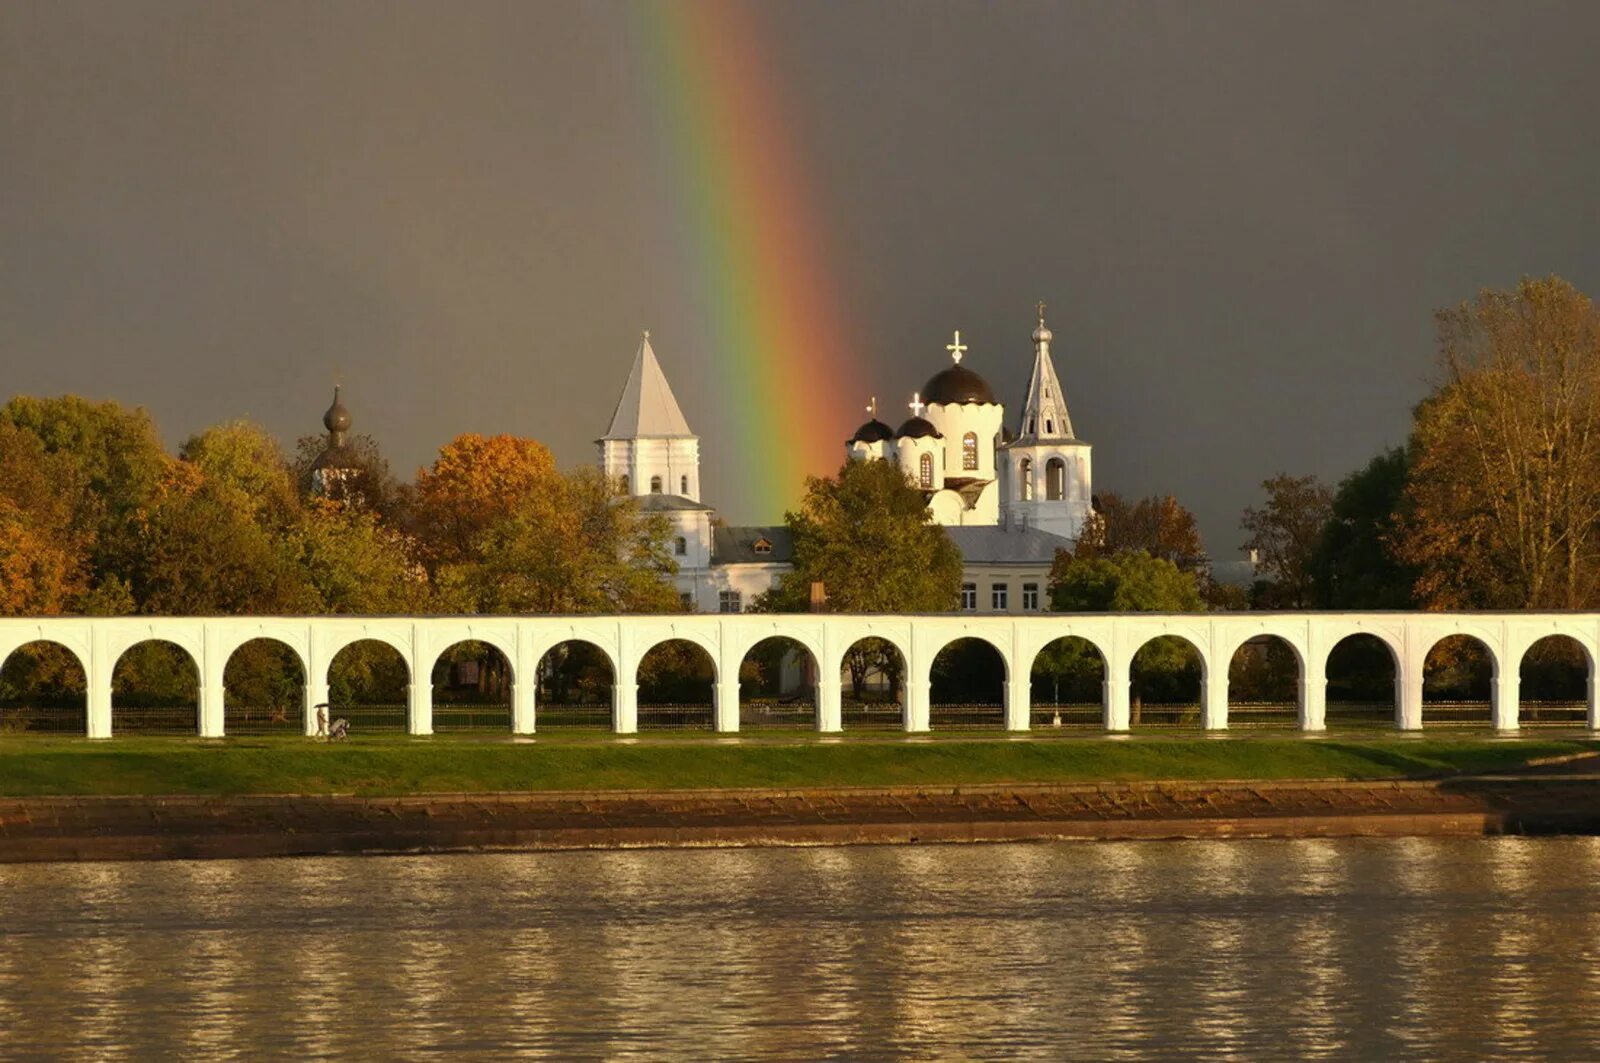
<point x="674" y="460"/>
<point x="954" y="421"/>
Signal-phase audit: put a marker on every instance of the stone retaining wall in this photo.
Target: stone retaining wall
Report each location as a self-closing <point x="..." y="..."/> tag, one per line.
<point x="145" y="828"/>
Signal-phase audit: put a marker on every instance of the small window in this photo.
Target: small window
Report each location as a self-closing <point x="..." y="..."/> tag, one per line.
<point x="655" y="485"/>
<point x="1047" y="391"/>
<point x="925" y="470"/>
<point x="969" y="451"/>
<point x="1055" y="480"/>
<point x="763" y="546"/>
<point x="1030" y="597"/>
<point x="1032" y="426"/>
<point x="729" y="602"/>
<point x="969" y="597"/>
<point x="997" y="597"/>
<point x="680" y="546"/>
<point x="1025" y="474"/>
<point x="1049" y="426"/>
<point x="624" y="485"/>
<point x="687" y="601"/>
<point x="683" y="486"/>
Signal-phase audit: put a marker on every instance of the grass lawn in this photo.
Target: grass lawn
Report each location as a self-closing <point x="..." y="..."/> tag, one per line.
<point x="398" y="765"/>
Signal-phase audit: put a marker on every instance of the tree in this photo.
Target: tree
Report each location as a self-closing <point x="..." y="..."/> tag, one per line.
<point x="1158" y="525"/>
<point x="1354" y="565"/>
<point x="44" y="563"/>
<point x="371" y="483"/>
<point x="1284" y="535"/>
<point x="357" y="564"/>
<point x="866" y="535"/>
<point x="578" y="547"/>
<point x="475" y="483"/>
<point x="1503" y="504"/>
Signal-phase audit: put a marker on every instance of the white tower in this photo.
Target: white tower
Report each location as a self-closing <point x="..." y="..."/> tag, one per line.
<point x="649" y="450"/>
<point x="1045" y="480"/>
<point x="649" y="453"/>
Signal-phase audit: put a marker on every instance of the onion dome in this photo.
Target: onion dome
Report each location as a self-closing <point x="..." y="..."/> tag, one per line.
<point x="874" y="431"/>
<point x="1042" y="333"/>
<point x="337" y="419"/>
<point x="956" y="385"/>
<point x="917" y="428"/>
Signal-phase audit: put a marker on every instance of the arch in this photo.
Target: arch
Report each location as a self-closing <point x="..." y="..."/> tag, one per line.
<point x="680" y="546"/>
<point x="43" y="690"/>
<point x="263" y="688"/>
<point x="1166" y="676"/>
<point x="655" y="485"/>
<point x="1025" y="480"/>
<point x="778" y="685"/>
<point x="472" y="681"/>
<point x="967" y="685"/>
<point x="683" y="486"/>
<point x="872" y="678"/>
<point x="925" y="471"/>
<point x="1264" y="674"/>
<point x="1055" y="480"/>
<point x="1361" y="675"/>
<point x="1066" y="684"/>
<point x="1458" y="682"/>
<point x="155" y="690"/>
<point x="1553" y="677"/>
<point x="368" y="683"/>
<point x="677" y="686"/>
<point x="969" y="452"/>
<point x="576" y="687"/>
<point x="626" y="484"/>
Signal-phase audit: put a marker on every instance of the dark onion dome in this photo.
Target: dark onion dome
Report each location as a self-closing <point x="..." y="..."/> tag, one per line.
<point x="917" y="428"/>
<point x="956" y="385"/>
<point x="1007" y="435"/>
<point x="874" y="431"/>
<point x="337" y="419"/>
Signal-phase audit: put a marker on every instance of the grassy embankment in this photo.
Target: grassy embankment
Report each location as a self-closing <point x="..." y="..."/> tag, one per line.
<point x="43" y="766"/>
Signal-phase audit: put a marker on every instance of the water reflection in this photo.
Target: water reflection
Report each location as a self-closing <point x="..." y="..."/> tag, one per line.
<point x="1226" y="949"/>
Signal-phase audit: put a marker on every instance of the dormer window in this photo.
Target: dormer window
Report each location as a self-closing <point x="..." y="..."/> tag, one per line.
<point x="762" y="546"/>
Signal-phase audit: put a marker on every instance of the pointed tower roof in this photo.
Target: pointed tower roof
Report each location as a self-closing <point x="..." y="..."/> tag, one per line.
<point x="647" y="408"/>
<point x="1044" y="414"/>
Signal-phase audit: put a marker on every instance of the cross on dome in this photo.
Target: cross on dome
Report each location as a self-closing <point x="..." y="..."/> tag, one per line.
<point x="956" y="349"/>
<point x="872" y="407"/>
<point x="1040" y="308"/>
<point x="916" y="403"/>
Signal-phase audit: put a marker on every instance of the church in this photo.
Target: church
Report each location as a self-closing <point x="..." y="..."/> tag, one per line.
<point x="1009" y="497"/>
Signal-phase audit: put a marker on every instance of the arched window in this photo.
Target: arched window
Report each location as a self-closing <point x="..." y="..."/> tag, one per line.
<point x="969" y="450"/>
<point x="655" y="485"/>
<point x="680" y="546"/>
<point x="683" y="486"/>
<point x="624" y="485"/>
<point x="1025" y="474"/>
<point x="1055" y="480"/>
<point x="925" y="467"/>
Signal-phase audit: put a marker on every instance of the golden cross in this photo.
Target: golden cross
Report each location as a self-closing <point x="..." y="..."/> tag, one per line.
<point x="916" y="403"/>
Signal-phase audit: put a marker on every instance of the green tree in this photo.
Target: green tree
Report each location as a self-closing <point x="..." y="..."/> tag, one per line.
<point x="1284" y="535"/>
<point x="866" y="536"/>
<point x="1354" y="565"/>
<point x="1158" y="525"/>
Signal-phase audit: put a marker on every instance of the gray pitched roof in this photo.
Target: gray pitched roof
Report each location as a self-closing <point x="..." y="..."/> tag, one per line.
<point x="669" y="504"/>
<point x="1044" y="411"/>
<point x="647" y="408"/>
<point x="994" y="545"/>
<point x="734" y="546"/>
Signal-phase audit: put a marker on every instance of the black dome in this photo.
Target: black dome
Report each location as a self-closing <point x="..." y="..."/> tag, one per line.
<point x="958" y="384"/>
<point x="337" y="419"/>
<point x="917" y="428"/>
<point x="874" y="431"/>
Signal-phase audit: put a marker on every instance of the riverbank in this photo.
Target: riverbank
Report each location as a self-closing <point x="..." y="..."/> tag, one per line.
<point x="146" y="828"/>
<point x="180" y="798"/>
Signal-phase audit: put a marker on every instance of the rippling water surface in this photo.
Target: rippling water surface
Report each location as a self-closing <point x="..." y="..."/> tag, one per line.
<point x="1345" y="949"/>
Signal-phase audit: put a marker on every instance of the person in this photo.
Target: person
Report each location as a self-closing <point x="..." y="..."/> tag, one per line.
<point x="322" y="720"/>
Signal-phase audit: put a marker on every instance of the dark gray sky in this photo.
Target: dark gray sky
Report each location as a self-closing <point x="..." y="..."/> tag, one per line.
<point x="1242" y="215"/>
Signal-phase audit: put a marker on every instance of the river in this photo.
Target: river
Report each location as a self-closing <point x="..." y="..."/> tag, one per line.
<point x="1346" y="949"/>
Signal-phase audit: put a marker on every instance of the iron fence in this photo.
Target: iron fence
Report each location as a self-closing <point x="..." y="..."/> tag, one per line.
<point x="789" y="714"/>
<point x="582" y="716"/>
<point x="872" y="716"/>
<point x="262" y="720"/>
<point x="43" y="719"/>
<point x="964" y="717"/>
<point x="155" y="719"/>
<point x="676" y="718"/>
<point x="1078" y="714"/>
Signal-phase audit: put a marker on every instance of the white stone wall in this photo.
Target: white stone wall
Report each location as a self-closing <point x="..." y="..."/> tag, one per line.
<point x="1023" y="508"/>
<point x="98" y="642"/>
<point x="954" y="421"/>
<point x="676" y="461"/>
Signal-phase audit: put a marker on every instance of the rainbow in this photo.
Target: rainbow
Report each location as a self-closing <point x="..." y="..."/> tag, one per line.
<point x="789" y="379"/>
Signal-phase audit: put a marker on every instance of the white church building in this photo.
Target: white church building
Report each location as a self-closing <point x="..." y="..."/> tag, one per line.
<point x="1010" y="498"/>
